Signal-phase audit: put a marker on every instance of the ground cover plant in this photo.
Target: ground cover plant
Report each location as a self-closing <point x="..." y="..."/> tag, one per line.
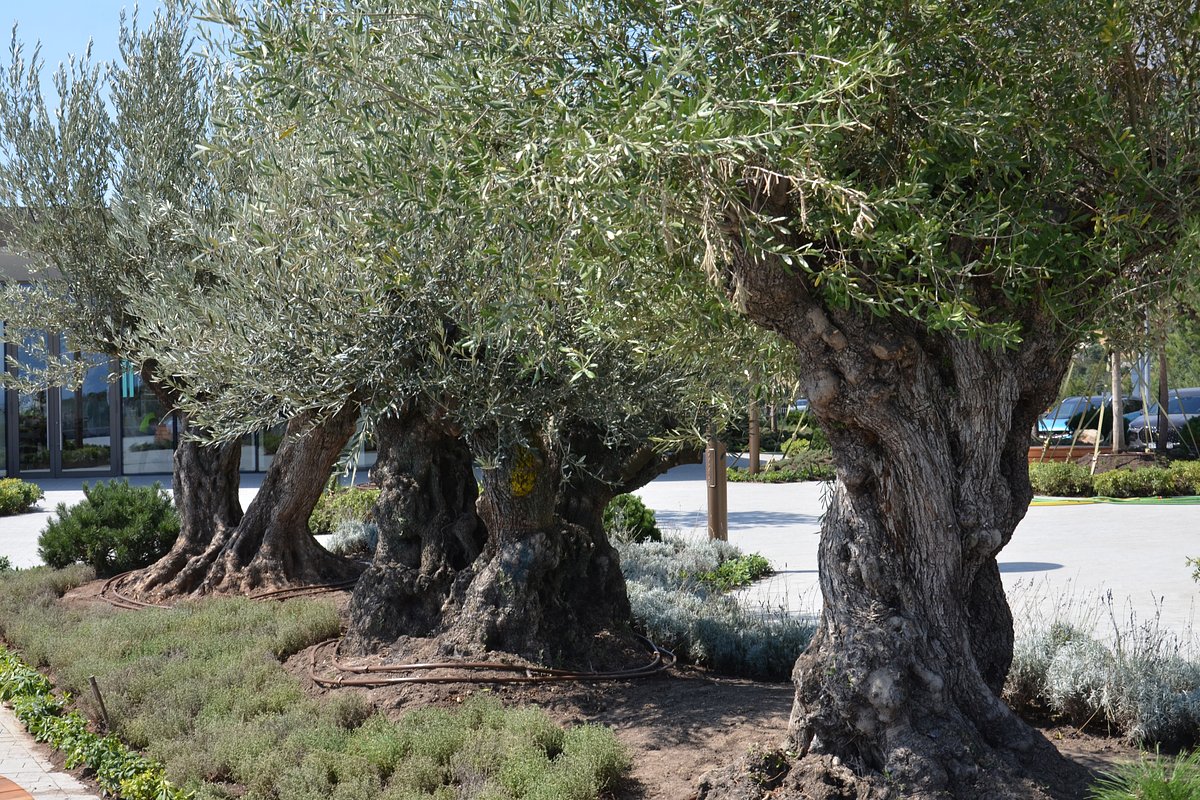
<point x="1152" y="779"/>
<point x="1140" y="683"/>
<point x="17" y="496"/>
<point x="678" y="591"/>
<point x="201" y="689"/>
<point x="119" y="771"/>
<point x="116" y="528"/>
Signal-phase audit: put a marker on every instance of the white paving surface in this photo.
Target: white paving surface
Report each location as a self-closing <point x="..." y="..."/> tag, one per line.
<point x="21" y="764"/>
<point x="1076" y="562"/>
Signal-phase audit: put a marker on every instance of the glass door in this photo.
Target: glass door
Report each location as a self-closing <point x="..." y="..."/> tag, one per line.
<point x="33" y="414"/>
<point x="86" y="414"/>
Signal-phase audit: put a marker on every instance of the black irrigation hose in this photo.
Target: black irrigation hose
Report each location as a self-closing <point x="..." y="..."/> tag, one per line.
<point x="111" y="593"/>
<point x="661" y="661"/>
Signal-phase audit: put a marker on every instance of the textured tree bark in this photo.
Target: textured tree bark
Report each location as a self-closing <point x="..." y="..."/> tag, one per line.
<point x="271" y="546"/>
<point x="429" y="531"/>
<point x="545" y="585"/>
<point x="898" y="694"/>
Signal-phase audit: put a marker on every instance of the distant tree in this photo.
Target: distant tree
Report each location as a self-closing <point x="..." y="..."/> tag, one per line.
<point x="106" y="205"/>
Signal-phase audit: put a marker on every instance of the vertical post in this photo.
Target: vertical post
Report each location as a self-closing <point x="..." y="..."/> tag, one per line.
<point x="714" y="469"/>
<point x="1163" y="422"/>
<point x="1118" y="404"/>
<point x="755" y="437"/>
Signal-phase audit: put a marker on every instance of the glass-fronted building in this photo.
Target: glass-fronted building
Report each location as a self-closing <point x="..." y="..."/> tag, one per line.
<point x="112" y="424"/>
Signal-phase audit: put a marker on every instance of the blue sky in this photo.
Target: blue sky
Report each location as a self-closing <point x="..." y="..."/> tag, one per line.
<point x="64" y="27"/>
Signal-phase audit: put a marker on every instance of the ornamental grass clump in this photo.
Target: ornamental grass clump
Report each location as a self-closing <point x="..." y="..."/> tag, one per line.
<point x="1156" y="778"/>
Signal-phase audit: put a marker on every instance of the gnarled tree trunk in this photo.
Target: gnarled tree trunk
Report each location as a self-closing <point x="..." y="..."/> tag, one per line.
<point x="271" y="547"/>
<point x="428" y="531"/>
<point x="544" y="586"/>
<point x="899" y="692"/>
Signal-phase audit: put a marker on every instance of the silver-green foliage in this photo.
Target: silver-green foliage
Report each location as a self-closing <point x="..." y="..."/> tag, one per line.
<point x="699" y="623"/>
<point x="1143" y="686"/>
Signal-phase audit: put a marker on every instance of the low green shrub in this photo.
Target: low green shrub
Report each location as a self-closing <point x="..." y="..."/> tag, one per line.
<point x="700" y="622"/>
<point x="18" y="496"/>
<point x="804" y="464"/>
<point x="1060" y="480"/>
<point x="1152" y="779"/>
<point x="1146" y="482"/>
<point x="627" y="519"/>
<point x="341" y="505"/>
<point x="201" y="689"/>
<point x="736" y="572"/>
<point x="1186" y="475"/>
<point x="116" y="528"/>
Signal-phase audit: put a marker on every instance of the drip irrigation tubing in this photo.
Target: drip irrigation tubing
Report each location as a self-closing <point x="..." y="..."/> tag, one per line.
<point x="662" y="659"/>
<point x="111" y="593"/>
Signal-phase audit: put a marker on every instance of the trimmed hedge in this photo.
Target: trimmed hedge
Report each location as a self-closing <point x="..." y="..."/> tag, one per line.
<point x="1073" y="480"/>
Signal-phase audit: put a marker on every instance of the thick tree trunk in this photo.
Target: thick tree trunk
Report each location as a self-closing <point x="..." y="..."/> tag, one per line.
<point x="271" y="546"/>
<point x="428" y="531"/>
<point x="545" y="586"/>
<point x="898" y="694"/>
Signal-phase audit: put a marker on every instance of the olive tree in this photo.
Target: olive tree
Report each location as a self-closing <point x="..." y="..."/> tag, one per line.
<point x="108" y="198"/>
<point x="366" y="262"/>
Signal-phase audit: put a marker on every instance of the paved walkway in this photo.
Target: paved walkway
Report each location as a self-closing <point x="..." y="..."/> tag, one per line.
<point x="1104" y="566"/>
<point x="21" y="763"/>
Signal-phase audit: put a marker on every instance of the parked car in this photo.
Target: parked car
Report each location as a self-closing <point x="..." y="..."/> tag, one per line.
<point x="1055" y="424"/>
<point x="1183" y="404"/>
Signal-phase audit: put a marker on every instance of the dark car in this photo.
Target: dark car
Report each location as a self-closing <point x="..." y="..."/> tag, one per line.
<point x="1053" y="423"/>
<point x="1182" y="406"/>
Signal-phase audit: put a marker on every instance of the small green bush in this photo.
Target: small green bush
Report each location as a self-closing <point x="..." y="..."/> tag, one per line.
<point x="18" y="496"/>
<point x="341" y="505"/>
<point x="736" y="572"/>
<point x="1060" y="480"/>
<point x="801" y="464"/>
<point x="116" y="528"/>
<point x="1186" y="475"/>
<point x="1147" y="482"/>
<point x="627" y="519"/>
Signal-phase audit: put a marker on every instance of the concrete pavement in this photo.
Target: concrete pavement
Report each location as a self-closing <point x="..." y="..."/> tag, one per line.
<point x="1088" y="563"/>
<point x="23" y="764"/>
